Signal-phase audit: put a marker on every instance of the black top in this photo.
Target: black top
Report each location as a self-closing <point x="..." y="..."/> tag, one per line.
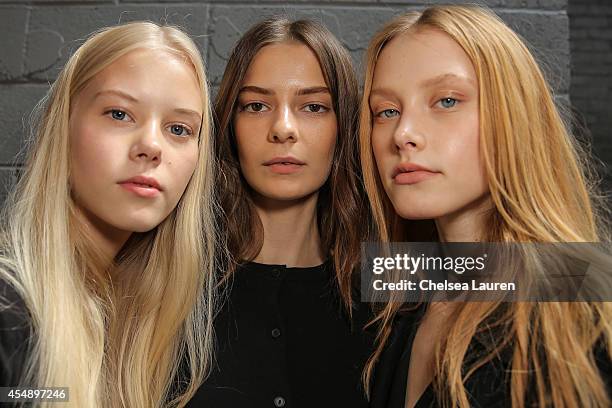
<point x="487" y="387"/>
<point x="14" y="335"/>
<point x="284" y="340"/>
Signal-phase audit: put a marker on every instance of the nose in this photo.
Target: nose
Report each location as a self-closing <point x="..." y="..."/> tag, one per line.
<point x="284" y="127"/>
<point x="147" y="146"/>
<point x="408" y="134"/>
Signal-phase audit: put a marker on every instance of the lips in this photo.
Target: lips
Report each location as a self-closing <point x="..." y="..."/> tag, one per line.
<point x="411" y="173"/>
<point x="284" y="160"/>
<point x="142" y="186"/>
<point x="284" y="165"/>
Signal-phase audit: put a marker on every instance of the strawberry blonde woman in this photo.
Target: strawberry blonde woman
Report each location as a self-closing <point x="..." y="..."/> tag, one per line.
<point x="108" y="239"/>
<point x="289" y="333"/>
<point x="460" y="142"/>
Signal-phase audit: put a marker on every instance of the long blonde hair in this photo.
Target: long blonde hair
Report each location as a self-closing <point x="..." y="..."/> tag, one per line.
<point x="137" y="334"/>
<point x="542" y="190"/>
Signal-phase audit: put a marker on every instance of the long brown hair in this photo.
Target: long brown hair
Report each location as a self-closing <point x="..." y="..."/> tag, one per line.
<point x="340" y="201"/>
<point x="542" y="191"/>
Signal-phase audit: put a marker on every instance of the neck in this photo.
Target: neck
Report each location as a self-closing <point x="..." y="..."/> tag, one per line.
<point x="291" y="235"/>
<point x="106" y="238"/>
<point x="467" y="224"/>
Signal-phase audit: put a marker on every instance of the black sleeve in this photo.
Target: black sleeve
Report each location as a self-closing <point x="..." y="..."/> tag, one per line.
<point x="602" y="358"/>
<point x="14" y="335"/>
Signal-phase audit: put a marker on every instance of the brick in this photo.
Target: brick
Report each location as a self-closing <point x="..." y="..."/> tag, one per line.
<point x="353" y="26"/>
<point x="595" y="21"/>
<point x="67" y="2"/>
<point x="547" y="34"/>
<point x="595" y="45"/>
<point x="510" y="4"/>
<point x="13" y="23"/>
<point x="16" y="104"/>
<point x="55" y="32"/>
<point x="8" y="178"/>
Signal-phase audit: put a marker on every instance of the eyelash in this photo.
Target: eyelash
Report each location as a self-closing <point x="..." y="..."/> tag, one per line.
<point x="112" y="111"/>
<point x="323" y="108"/>
<point x="382" y="115"/>
<point x="447" y="98"/>
<point x="455" y="101"/>
<point x="245" y="107"/>
<point x="186" y="128"/>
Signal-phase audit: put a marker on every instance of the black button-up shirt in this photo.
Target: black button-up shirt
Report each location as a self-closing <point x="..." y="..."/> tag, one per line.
<point x="284" y="340"/>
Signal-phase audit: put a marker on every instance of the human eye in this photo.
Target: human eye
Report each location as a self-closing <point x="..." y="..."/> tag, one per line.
<point x="254" y="107"/>
<point x="447" y="102"/>
<point x="387" y="113"/>
<point x="316" y="108"/>
<point x="178" y="129"/>
<point x="117" y="114"/>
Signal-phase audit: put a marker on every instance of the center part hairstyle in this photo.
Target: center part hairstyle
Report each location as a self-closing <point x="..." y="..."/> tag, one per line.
<point x="542" y="190"/>
<point x="341" y="203"/>
<point x="133" y="334"/>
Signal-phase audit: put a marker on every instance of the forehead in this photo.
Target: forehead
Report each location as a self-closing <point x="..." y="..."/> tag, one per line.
<point x="141" y="64"/>
<point x="419" y="54"/>
<point x="285" y="64"/>
<point x="150" y="75"/>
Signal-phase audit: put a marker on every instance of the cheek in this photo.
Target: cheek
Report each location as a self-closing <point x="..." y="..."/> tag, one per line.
<point x="182" y="166"/>
<point x="248" y="151"/>
<point x="250" y="135"/>
<point x="463" y="155"/>
<point x="91" y="153"/>
<point x="380" y="149"/>
<point x="327" y="137"/>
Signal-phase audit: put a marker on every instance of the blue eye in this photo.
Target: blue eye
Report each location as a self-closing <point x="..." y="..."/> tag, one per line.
<point x="388" y="113"/>
<point x="118" y="114"/>
<point x="448" y="102"/>
<point x="179" y="130"/>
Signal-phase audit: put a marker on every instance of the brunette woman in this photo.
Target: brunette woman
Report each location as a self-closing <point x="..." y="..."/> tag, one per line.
<point x="290" y="333"/>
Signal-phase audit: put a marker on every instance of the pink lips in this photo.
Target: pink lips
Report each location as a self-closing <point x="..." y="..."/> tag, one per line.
<point x="284" y="165"/>
<point x="411" y="173"/>
<point x="142" y="186"/>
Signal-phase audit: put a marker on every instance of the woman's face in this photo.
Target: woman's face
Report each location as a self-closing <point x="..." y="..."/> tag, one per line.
<point x="425" y="130"/>
<point x="285" y="126"/>
<point x="134" y="140"/>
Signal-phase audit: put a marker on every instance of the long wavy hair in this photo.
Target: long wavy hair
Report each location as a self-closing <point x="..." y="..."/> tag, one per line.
<point x="341" y="200"/>
<point x="542" y="190"/>
<point x="137" y="333"/>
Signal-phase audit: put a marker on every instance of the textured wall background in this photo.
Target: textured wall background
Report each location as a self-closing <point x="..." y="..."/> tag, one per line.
<point x="37" y="36"/>
<point x="591" y="70"/>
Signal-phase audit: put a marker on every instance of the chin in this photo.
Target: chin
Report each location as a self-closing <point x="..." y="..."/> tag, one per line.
<point x="140" y="224"/>
<point x="417" y="212"/>
<point x="282" y="192"/>
<point x="286" y="195"/>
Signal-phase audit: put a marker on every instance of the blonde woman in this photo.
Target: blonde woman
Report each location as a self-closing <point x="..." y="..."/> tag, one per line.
<point x="108" y="241"/>
<point x="459" y="131"/>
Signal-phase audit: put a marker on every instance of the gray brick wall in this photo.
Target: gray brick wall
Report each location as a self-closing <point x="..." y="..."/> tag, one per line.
<point x="591" y="71"/>
<point x="37" y="36"/>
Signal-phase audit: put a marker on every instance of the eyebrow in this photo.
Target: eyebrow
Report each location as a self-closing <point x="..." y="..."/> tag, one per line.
<point x="381" y="92"/>
<point x="303" y="91"/>
<point x="189" y="112"/>
<point x="121" y="94"/>
<point x="117" y="93"/>
<point x="313" y="90"/>
<point x="445" y="77"/>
